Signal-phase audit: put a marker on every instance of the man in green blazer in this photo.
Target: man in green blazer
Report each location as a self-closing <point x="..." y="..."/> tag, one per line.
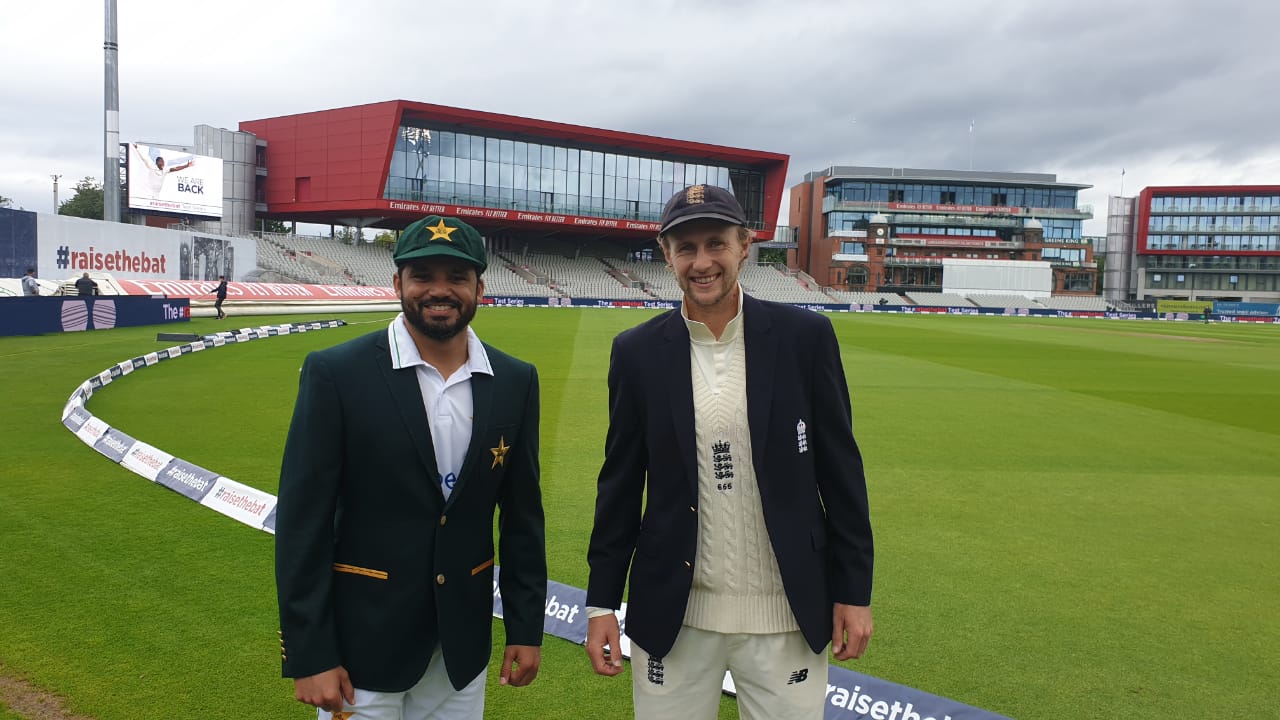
<point x="402" y="445"/>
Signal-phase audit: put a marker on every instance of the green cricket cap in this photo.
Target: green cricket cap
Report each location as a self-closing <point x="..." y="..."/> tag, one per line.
<point x="435" y="235"/>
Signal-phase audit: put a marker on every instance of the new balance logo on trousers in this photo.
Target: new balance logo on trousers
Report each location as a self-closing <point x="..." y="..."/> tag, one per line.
<point x="655" y="670"/>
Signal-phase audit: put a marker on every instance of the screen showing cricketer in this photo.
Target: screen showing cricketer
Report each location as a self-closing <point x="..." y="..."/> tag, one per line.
<point x="174" y="181"/>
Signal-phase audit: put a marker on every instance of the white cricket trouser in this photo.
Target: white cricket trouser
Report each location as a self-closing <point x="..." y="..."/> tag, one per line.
<point x="776" y="676"/>
<point x="433" y="698"/>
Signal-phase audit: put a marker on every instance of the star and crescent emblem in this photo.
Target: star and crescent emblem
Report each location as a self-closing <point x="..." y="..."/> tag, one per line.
<point x="500" y="452"/>
<point x="342" y="714"/>
<point x="440" y="230"/>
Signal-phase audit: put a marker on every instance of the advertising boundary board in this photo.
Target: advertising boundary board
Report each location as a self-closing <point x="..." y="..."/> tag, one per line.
<point x="849" y="695"/>
<point x="502" y="301"/>
<point x="73" y="313"/>
<point x="236" y="500"/>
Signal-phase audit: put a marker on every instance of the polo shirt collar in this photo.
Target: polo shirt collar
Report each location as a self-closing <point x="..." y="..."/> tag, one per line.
<point x="404" y="351"/>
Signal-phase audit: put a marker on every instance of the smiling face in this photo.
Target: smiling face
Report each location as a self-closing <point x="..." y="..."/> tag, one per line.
<point x="439" y="295"/>
<point x="705" y="256"/>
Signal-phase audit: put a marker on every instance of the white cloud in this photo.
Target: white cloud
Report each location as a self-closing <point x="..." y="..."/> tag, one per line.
<point x="1173" y="92"/>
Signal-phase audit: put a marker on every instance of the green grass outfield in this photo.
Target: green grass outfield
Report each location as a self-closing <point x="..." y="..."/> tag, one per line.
<point x="1074" y="518"/>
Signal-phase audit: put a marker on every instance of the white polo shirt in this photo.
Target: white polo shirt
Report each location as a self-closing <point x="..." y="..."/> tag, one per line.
<point x="448" y="402"/>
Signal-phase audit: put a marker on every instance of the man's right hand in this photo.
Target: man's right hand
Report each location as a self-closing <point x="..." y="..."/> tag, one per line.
<point x="602" y="631"/>
<point x="325" y="690"/>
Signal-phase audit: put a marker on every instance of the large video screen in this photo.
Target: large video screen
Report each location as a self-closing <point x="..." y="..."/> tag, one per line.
<point x="172" y="181"/>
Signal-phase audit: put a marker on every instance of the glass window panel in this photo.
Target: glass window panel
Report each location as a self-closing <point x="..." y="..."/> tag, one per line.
<point x="573" y="159"/>
<point x="462" y="171"/>
<point x="446" y="169"/>
<point x="433" y="166"/>
<point x="548" y="179"/>
<point x="505" y="176"/>
<point x="610" y="164"/>
<point x="477" y="148"/>
<point x="562" y="158"/>
<point x="646" y="169"/>
<point x="571" y="182"/>
<point x="462" y="146"/>
<point x="507" y="151"/>
<point x="633" y="167"/>
<point x="633" y="189"/>
<point x="597" y="186"/>
<point x="520" y="153"/>
<point x="560" y="185"/>
<point x="492" y="149"/>
<point x="477" y="168"/>
<point x="446" y="143"/>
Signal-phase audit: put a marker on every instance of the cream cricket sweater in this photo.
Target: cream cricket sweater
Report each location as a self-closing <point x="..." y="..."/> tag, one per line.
<point x="737" y="587"/>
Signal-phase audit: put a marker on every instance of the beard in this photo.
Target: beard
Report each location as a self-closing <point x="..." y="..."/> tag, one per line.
<point x="438" y="330"/>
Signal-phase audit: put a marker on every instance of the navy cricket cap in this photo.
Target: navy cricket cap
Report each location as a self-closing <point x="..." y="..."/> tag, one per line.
<point x="698" y="202"/>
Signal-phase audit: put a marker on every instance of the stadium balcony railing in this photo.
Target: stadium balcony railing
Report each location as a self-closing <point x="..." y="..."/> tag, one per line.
<point x="938" y="299"/>
<point x="1000" y="300"/>
<point x="1090" y="303"/>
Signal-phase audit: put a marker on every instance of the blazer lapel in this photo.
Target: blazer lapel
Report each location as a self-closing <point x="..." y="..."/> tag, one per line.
<point x="762" y="352"/>
<point x="481" y="410"/>
<point x="679" y="382"/>
<point x="407" y="395"/>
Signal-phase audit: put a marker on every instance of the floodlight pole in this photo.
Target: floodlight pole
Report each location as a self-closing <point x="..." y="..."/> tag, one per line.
<point x="55" y="193"/>
<point x="111" y="120"/>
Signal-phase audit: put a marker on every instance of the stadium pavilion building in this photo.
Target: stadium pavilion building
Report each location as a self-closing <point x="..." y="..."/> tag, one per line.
<point x="892" y="230"/>
<point x="386" y="164"/>
<point x="1207" y="242"/>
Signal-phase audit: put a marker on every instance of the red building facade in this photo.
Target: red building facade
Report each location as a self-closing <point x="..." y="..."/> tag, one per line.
<point x="387" y="164"/>
<point x="1208" y="242"/>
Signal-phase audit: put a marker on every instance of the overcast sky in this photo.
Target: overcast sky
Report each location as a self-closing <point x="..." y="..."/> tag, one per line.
<point x="1172" y="92"/>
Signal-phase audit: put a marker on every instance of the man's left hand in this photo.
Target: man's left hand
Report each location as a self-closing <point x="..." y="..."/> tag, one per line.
<point x="520" y="665"/>
<point x="851" y="630"/>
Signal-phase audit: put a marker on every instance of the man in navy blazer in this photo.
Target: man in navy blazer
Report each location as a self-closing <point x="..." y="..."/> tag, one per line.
<point x="403" y="443"/>
<point x="732" y="488"/>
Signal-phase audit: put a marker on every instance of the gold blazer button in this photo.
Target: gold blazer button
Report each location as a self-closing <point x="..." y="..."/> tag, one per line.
<point x="440" y="579"/>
